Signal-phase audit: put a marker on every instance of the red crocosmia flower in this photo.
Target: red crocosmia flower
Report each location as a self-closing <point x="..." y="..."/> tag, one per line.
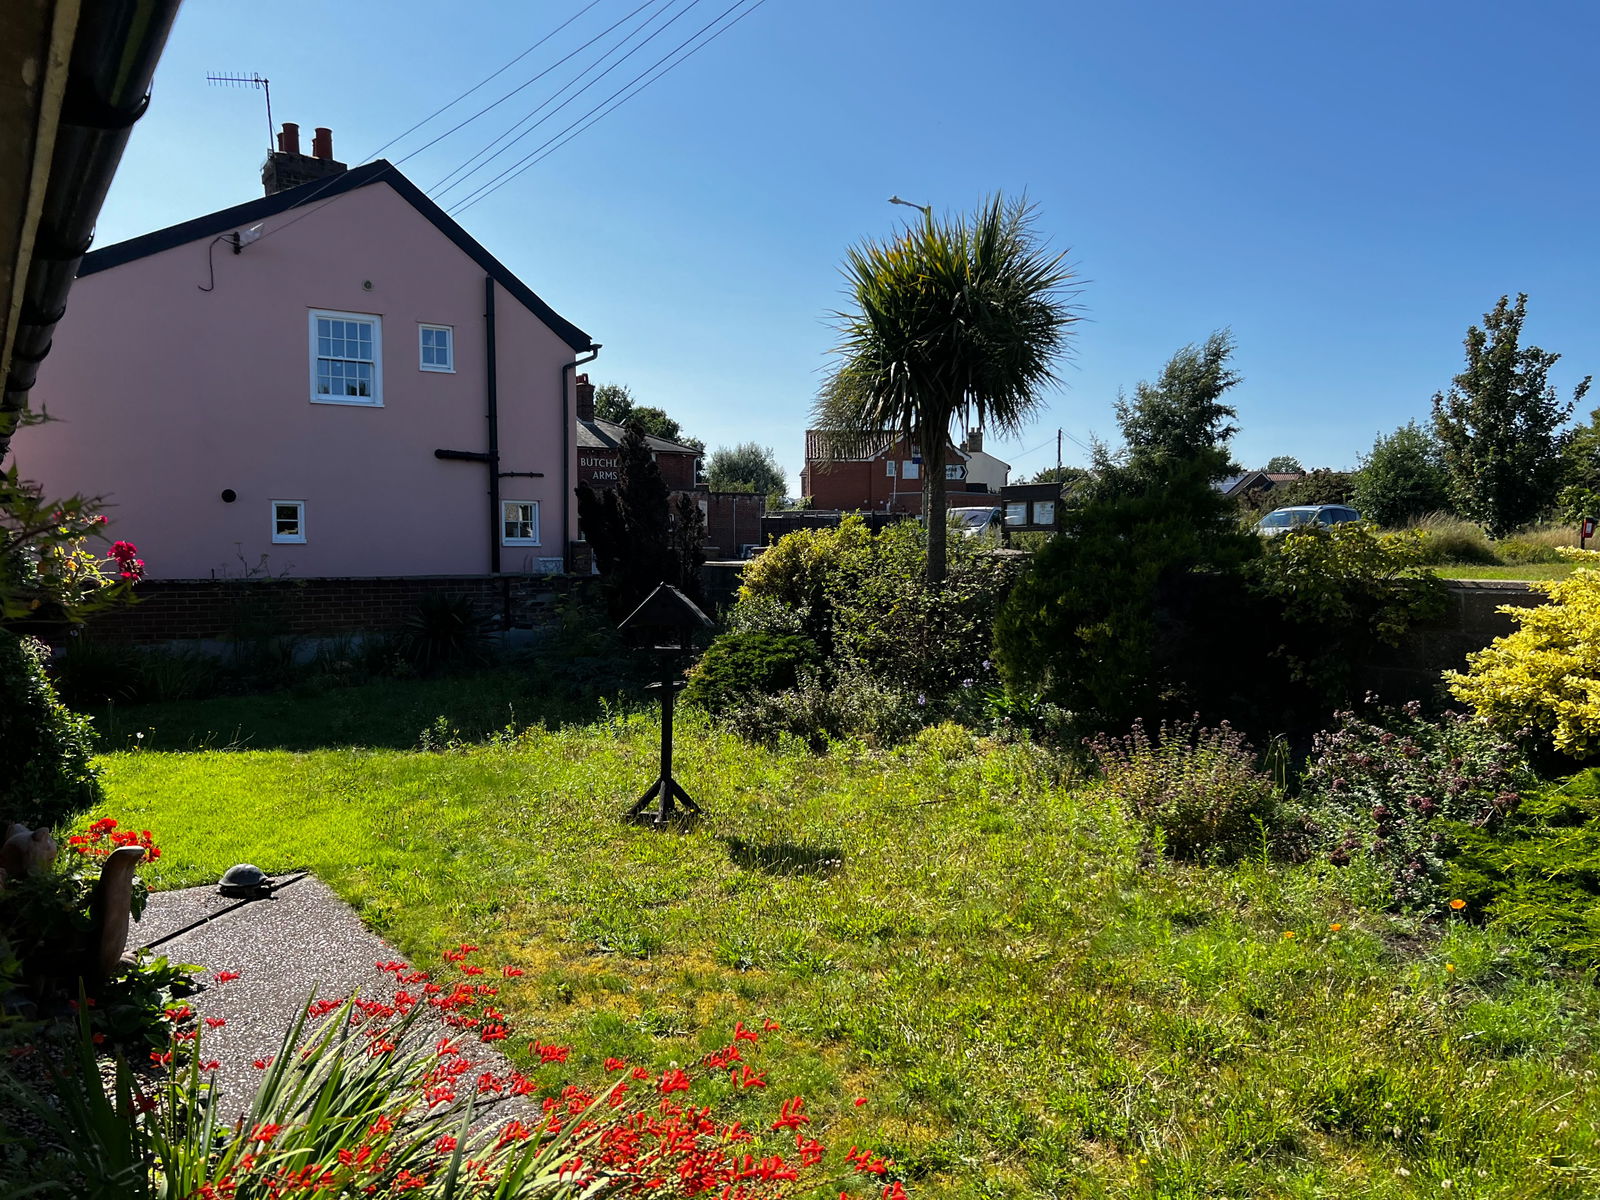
<point x="160" y="1059"/>
<point x="859" y="1101"/>
<point x="744" y="1077"/>
<point x="640" y="1073"/>
<point x="210" y="1065"/>
<point x="792" y="1114"/>
<point x="381" y="1126"/>
<point x="741" y="1034"/>
<point x="549" y="1054"/>
<point x="509" y="972"/>
<point x="616" y="1064"/>
<point x="674" y="1080"/>
<point x="179" y="1012"/>
<point x="225" y="976"/>
<point x="811" y="1150"/>
<point x="515" y="1131"/>
<point x="445" y="1145"/>
<point x="264" y="1132"/>
<point x="471" y="970"/>
<point x="895" y="1191"/>
<point x="261" y="1064"/>
<point x="216" y="1022"/>
<point x="771" y="1026"/>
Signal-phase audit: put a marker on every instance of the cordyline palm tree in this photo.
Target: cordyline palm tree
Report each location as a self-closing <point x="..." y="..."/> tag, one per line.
<point x="958" y="318"/>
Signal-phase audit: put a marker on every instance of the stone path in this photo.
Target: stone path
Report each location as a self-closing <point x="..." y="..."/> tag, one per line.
<point x="299" y="941"/>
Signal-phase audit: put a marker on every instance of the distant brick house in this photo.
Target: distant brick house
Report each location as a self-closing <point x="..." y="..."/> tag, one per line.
<point x="733" y="519"/>
<point x="886" y="476"/>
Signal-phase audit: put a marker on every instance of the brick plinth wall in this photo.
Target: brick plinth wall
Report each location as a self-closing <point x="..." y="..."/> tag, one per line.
<point x="171" y="610"/>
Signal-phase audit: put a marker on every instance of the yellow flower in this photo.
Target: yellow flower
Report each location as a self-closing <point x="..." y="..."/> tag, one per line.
<point x="1289" y="936"/>
<point x="1335" y="927"/>
<point x="1458" y="905"/>
<point x="1450" y="967"/>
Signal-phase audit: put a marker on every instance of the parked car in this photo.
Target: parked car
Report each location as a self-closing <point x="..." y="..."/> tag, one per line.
<point x="1281" y="520"/>
<point x="974" y="522"/>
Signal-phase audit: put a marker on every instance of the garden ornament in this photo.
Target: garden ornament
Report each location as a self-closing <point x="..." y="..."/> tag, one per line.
<point x="26" y="851"/>
<point x="110" y="909"/>
<point x="245" y="880"/>
<point x="668" y="619"/>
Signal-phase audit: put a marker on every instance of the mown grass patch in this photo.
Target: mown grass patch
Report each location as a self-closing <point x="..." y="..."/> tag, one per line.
<point x="1524" y="571"/>
<point x="968" y="936"/>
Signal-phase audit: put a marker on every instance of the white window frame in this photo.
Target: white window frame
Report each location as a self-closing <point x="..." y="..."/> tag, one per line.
<point x="911" y="469"/>
<point x="505" y="539"/>
<point x="287" y="539"/>
<point x="888" y="465"/>
<point x="376" y="399"/>
<point x="450" y="349"/>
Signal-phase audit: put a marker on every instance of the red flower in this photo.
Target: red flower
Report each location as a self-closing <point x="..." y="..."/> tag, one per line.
<point x="792" y="1114"/>
<point x="261" y="1064"/>
<point x="616" y="1064"/>
<point x="894" y="1191"/>
<point x="264" y="1132"/>
<point x="859" y="1101"/>
<point x="215" y="1022"/>
<point x="508" y="972"/>
<point x="746" y="1078"/>
<point x="673" y="1080"/>
<point x="444" y="1145"/>
<point x="225" y="976"/>
<point x="740" y="1033"/>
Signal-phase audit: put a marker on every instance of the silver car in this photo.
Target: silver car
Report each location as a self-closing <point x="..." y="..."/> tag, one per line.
<point x="1282" y="520"/>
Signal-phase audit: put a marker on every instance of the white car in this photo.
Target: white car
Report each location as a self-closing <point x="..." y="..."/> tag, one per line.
<point x="1282" y="520"/>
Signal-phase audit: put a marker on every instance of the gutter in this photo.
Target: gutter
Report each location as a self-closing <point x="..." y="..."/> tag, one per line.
<point x="493" y="399"/>
<point x="569" y="434"/>
<point x="114" y="56"/>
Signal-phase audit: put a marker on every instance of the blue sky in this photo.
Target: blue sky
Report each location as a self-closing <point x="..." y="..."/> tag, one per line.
<point x="1347" y="186"/>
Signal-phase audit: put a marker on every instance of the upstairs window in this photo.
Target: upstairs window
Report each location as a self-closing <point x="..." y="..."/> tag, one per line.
<point x="346" y="358"/>
<point x="438" y="347"/>
<point x="888" y="468"/>
<point x="911" y="469"/>
<point x="519" y="523"/>
<point x="288" y="521"/>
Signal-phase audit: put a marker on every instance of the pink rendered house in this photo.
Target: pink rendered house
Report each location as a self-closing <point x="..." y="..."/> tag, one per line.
<point x="335" y="378"/>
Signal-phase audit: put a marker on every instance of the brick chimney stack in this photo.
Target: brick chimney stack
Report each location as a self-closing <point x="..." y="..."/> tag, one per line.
<point x="974" y="442"/>
<point x="585" y="391"/>
<point x="286" y="167"/>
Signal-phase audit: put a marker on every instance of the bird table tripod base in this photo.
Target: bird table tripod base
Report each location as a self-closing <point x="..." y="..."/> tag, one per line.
<point x="666" y="791"/>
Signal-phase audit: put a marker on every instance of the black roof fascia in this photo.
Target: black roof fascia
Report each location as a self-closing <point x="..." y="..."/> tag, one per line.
<point x="378" y="171"/>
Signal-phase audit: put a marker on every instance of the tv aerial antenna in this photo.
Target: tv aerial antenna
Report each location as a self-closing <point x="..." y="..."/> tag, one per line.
<point x="253" y="81"/>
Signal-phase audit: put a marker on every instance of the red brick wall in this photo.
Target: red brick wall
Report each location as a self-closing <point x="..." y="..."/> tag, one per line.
<point x="171" y="610"/>
<point x="861" y="485"/>
<point x="733" y="519"/>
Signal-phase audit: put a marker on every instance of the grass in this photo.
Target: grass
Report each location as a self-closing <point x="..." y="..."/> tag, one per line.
<point x="1033" y="1004"/>
<point x="1527" y="571"/>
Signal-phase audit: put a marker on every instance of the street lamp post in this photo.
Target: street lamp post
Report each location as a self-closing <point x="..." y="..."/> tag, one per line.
<point x="926" y="209"/>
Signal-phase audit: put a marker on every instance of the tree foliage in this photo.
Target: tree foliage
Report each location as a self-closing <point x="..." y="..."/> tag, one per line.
<point x="956" y="319"/>
<point x="1498" y="424"/>
<point x="1321" y="486"/>
<point x="747" y="467"/>
<point x="1580" y="495"/>
<point x="1403" y="478"/>
<point x="640" y="537"/>
<point x="1283" y="464"/>
<point x="1180" y="421"/>
<point x="615" y="402"/>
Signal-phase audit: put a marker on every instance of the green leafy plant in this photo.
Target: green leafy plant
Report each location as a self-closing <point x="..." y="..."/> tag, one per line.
<point x="446" y="631"/>
<point x="46" y="768"/>
<point x="1199" y="788"/>
<point x="1538" y="871"/>
<point x="47" y="571"/>
<point x="738" y="665"/>
<point x="1391" y="785"/>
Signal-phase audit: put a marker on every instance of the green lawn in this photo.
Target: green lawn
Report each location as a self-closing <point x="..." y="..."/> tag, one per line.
<point x="1032" y="1003"/>
<point x="1526" y="571"/>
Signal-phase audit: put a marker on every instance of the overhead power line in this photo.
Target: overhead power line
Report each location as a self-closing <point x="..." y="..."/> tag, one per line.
<point x="618" y="98"/>
<point x="462" y="178"/>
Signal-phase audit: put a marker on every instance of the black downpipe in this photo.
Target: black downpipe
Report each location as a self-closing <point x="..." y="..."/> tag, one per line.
<point x="114" y="56"/>
<point x="494" y="428"/>
<point x="569" y="430"/>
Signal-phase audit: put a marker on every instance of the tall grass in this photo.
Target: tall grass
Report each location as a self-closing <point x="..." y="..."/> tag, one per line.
<point x="1449" y="540"/>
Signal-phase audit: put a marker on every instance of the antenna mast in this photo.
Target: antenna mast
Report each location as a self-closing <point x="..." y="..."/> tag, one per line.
<point x="251" y="80"/>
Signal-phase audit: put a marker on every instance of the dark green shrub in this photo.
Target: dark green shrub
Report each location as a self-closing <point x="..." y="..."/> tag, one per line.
<point x="1393" y="787"/>
<point x="820" y="710"/>
<point x="1539" y="870"/>
<point x="444" y="632"/>
<point x="1199" y="787"/>
<point x="45" y="772"/>
<point x="1097" y="625"/>
<point x="738" y="665"/>
<point x="1336" y="594"/>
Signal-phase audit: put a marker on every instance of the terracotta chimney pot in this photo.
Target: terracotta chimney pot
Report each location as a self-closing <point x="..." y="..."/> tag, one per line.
<point x="322" y="143"/>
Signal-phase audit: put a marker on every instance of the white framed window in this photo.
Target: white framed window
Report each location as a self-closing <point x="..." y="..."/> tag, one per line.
<point x="346" y="358"/>
<point x="519" y="522"/>
<point x="436" y="346"/>
<point x="888" y="468"/>
<point x="911" y="469"/>
<point x="288" y="521"/>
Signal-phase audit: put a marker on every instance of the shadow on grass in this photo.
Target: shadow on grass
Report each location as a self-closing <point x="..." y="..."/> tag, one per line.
<point x="784" y="858"/>
<point x="386" y="714"/>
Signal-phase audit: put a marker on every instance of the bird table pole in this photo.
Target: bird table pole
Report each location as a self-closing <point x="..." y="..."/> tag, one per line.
<point x="667" y="790"/>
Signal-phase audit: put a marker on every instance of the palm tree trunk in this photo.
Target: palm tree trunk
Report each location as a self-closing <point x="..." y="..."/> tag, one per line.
<point x="933" y="504"/>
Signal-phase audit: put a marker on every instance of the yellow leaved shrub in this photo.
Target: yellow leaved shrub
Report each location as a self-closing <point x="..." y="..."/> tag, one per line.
<point x="1545" y="676"/>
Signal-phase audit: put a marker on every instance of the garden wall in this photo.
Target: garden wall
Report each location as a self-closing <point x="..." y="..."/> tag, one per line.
<point x="178" y="609"/>
<point x="1470" y="623"/>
